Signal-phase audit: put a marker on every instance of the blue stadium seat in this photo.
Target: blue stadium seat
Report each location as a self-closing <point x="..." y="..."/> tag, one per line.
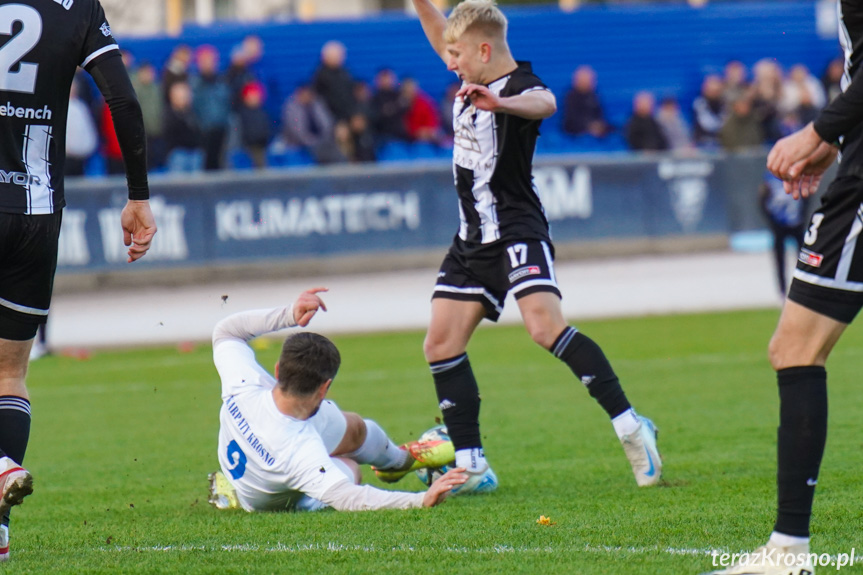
<point x="239" y="160"/>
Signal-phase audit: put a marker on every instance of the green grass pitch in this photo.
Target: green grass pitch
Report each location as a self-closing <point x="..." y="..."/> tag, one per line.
<point x="122" y="444"/>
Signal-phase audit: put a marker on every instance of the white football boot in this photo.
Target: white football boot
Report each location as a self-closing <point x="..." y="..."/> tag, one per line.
<point x="640" y="448"/>
<point x="771" y="560"/>
<point x="16" y="483"/>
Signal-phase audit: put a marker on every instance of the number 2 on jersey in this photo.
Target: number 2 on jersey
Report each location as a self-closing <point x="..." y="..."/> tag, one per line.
<point x="236" y="460"/>
<point x="11" y="53"/>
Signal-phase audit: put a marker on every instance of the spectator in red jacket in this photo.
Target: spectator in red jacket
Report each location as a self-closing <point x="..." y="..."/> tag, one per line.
<point x="422" y="121"/>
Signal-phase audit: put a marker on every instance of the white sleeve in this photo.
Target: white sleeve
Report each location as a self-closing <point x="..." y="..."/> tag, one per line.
<point x="345" y="496"/>
<point x="313" y="472"/>
<point x="235" y="360"/>
<point x="248" y="325"/>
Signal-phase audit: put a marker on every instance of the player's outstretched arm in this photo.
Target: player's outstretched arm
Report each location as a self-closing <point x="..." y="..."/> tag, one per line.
<point x="534" y="105"/>
<point x="434" y="24"/>
<point x="246" y="325"/>
<point x="346" y="496"/>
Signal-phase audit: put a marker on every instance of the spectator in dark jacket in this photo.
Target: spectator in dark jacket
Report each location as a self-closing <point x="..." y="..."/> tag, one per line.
<point x="182" y="132"/>
<point x="582" y="112"/>
<point x="708" y="112"/>
<point x="643" y="132"/>
<point x="176" y="69"/>
<point x="212" y="105"/>
<point x="256" y="127"/>
<point x="389" y="108"/>
<point x="333" y="82"/>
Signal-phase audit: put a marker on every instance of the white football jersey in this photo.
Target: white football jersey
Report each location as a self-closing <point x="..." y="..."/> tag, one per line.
<point x="274" y="461"/>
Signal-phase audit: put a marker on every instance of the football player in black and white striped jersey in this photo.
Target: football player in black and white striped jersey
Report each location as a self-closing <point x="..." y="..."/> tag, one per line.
<point x="503" y="244"/>
<point x="825" y="296"/>
<point x="42" y="43"/>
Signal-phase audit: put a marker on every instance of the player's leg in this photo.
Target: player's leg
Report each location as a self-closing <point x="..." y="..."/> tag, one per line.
<point x="798" y="352"/>
<point x="451" y="326"/>
<point x="544" y="321"/>
<point x="366" y="442"/>
<point x="28" y="260"/>
<point x="825" y="296"/>
<point x="532" y="280"/>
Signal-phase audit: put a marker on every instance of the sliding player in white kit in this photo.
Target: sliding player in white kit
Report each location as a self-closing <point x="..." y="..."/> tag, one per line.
<point x="283" y="447"/>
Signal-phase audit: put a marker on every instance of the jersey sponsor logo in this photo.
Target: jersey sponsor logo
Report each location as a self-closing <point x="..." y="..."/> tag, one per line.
<point x="524" y="272"/>
<point x="810" y="258"/>
<point x="19" y="178"/>
<point x="11" y="111"/>
<point x="67" y="4"/>
<point x="105" y="29"/>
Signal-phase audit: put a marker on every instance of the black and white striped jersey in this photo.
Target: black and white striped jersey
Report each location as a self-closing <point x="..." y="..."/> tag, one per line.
<point x="842" y="119"/>
<point x="492" y="165"/>
<point x="42" y="42"/>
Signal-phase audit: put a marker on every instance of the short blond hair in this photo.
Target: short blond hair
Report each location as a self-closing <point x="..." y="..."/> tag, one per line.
<point x="481" y="15"/>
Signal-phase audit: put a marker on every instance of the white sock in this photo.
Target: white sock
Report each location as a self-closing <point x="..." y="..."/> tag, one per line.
<point x="626" y="423"/>
<point x="472" y="459"/>
<point x="379" y="450"/>
<point x="783" y="540"/>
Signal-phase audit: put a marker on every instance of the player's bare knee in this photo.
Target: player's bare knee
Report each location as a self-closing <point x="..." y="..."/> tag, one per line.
<point x="438" y="348"/>
<point x="783" y="352"/>
<point x="543" y="334"/>
<point x="355" y="434"/>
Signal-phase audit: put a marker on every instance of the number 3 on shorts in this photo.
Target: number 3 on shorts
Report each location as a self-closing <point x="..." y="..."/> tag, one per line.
<point x="236" y="460"/>
<point x="517" y="254"/>
<point x="812" y="234"/>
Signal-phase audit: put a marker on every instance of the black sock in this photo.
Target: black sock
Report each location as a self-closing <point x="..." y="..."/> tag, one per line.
<point x="802" y="435"/>
<point x="14" y="430"/>
<point x="589" y="364"/>
<point x="458" y="395"/>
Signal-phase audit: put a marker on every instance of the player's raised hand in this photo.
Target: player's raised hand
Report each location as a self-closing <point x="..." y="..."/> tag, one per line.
<point x="307" y="305"/>
<point x="444" y="485"/>
<point x="480" y="96"/>
<point x="139" y="227"/>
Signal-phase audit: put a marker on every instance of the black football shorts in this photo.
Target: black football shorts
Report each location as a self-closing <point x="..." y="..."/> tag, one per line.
<point x="829" y="274"/>
<point x="28" y="260"/>
<point x="487" y="273"/>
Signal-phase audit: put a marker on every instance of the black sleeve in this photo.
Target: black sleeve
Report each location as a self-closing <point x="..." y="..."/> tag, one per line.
<point x="842" y="114"/>
<point x="113" y="81"/>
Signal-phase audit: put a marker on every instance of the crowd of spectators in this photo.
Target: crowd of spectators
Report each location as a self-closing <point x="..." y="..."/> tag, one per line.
<point x="734" y="111"/>
<point x="201" y="114"/>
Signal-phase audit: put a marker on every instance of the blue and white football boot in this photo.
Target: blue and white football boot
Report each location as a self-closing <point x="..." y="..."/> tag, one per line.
<point x="640" y="448"/>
